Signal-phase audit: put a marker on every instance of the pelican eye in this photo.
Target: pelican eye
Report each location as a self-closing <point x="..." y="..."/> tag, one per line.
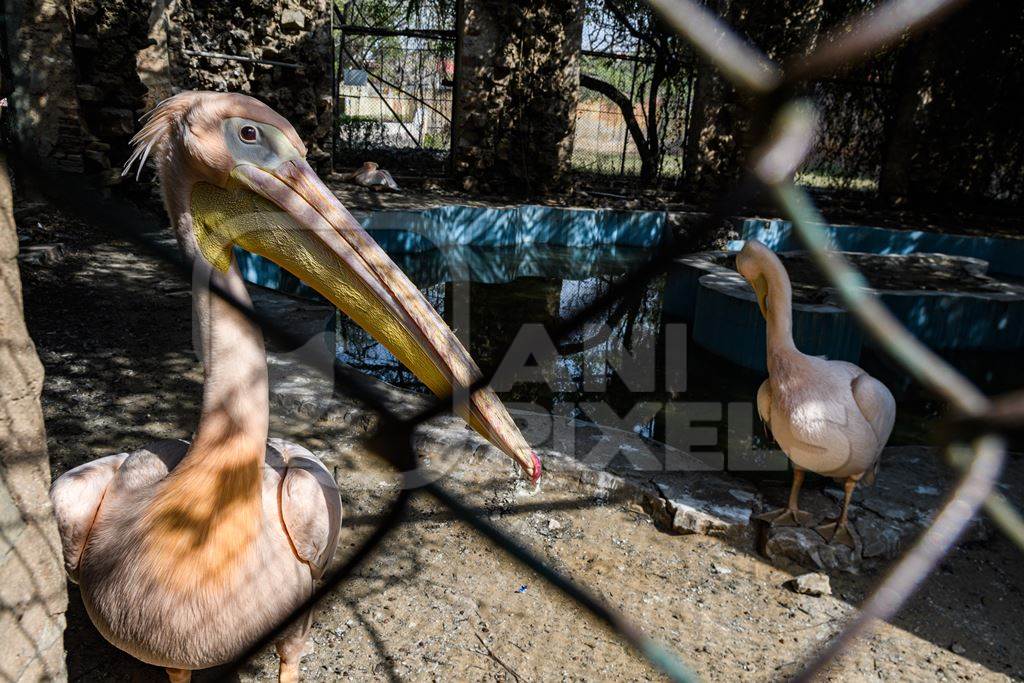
<point x="248" y="134"/>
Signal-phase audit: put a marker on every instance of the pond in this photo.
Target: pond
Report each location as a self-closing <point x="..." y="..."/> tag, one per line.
<point x="500" y="299"/>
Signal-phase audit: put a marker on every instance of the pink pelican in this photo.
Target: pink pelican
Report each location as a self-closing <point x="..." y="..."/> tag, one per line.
<point x="187" y="553"/>
<point x="828" y="416"/>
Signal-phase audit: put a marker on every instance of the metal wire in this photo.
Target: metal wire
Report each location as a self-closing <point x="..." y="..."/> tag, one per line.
<point x="773" y="163"/>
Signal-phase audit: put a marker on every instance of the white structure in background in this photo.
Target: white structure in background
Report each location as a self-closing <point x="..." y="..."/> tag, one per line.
<point x="401" y="120"/>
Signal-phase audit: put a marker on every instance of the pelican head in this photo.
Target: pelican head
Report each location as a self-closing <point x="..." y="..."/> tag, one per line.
<point x="234" y="173"/>
<point x="757" y="264"/>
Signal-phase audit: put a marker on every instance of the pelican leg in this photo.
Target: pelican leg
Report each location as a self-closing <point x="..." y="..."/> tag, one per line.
<point x="839" y="530"/>
<point x="791" y="515"/>
<point x="179" y="675"/>
<point x="291" y="648"/>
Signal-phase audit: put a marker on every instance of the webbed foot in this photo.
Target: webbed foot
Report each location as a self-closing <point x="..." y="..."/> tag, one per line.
<point x="837" y="532"/>
<point x="786" y="517"/>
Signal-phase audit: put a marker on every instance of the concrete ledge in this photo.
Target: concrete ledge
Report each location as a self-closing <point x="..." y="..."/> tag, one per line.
<point x="721" y="309"/>
<point x="1004" y="255"/>
<point x="723" y="315"/>
<point x="442" y="228"/>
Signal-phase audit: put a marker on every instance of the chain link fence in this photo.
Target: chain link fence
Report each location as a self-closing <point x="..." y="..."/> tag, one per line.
<point x="634" y="79"/>
<point x="974" y="434"/>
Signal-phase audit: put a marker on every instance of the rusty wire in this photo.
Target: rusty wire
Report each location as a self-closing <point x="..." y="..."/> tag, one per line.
<point x="789" y="138"/>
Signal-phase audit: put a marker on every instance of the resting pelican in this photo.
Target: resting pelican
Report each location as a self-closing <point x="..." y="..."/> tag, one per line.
<point x="371" y="176"/>
<point x="186" y="553"/>
<point x="828" y="416"/>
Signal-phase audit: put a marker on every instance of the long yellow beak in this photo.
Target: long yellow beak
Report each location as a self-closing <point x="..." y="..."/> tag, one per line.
<point x="290" y="217"/>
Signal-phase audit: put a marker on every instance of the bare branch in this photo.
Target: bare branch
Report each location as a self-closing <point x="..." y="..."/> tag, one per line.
<point x="625" y="106"/>
<point x="623" y="18"/>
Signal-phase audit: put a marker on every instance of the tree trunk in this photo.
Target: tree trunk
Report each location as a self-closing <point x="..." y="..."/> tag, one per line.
<point x="648" y="157"/>
<point x="902" y="135"/>
<point x="33" y="593"/>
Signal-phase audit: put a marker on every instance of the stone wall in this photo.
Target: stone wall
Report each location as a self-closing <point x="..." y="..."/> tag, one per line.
<point x="289" y="31"/>
<point x="42" y="93"/>
<point x="33" y="592"/>
<point x="107" y="36"/>
<point x="519" y="87"/>
<point x="86" y="70"/>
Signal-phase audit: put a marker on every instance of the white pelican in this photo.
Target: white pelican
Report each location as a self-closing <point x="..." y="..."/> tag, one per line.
<point x="186" y="553"/>
<point x="371" y="176"/>
<point x="828" y="416"/>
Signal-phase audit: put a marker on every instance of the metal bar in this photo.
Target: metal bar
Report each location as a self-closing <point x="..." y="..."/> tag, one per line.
<point x="398" y="88"/>
<point x="429" y="34"/>
<point x="335" y="65"/>
<point x="617" y="55"/>
<point x="456" y="122"/>
<point x="240" y="58"/>
<point x="390" y="109"/>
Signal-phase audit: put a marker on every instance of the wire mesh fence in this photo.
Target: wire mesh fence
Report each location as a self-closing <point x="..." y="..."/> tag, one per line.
<point x="635" y="81"/>
<point x="394" y="81"/>
<point x="973" y="433"/>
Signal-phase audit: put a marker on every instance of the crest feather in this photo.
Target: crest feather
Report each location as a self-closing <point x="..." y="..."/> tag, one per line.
<point x="158" y="123"/>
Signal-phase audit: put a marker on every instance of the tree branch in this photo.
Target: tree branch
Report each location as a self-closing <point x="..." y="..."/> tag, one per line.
<point x="621" y="16"/>
<point x="625" y="106"/>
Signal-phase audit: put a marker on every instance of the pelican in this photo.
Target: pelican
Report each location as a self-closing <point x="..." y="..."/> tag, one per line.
<point x="186" y="553"/>
<point x="828" y="416"/>
<point x="371" y="176"/>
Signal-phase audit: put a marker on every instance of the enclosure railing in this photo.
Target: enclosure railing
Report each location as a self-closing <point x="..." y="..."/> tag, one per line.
<point x="973" y="434"/>
<point x="401" y="99"/>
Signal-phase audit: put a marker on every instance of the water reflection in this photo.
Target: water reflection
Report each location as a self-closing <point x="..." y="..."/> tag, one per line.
<point x="612" y="370"/>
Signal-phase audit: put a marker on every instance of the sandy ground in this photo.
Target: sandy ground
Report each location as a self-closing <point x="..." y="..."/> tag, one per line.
<point x="439" y="603"/>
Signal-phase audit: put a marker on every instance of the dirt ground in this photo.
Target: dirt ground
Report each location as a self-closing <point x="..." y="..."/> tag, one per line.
<point x="439" y="603"/>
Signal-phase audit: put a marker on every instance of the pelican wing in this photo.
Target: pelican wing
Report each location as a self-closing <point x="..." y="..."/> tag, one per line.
<point x="310" y="507"/>
<point x="764" y="402"/>
<point x="76" y="496"/>
<point x="876" y="404"/>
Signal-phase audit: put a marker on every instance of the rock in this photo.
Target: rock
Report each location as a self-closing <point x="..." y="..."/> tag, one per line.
<point x="885" y="517"/>
<point x="86" y="42"/>
<point x="41" y="254"/>
<point x="793" y="543"/>
<point x="292" y="21"/>
<point x="554" y="525"/>
<point x="698" y="503"/>
<point x="878" y="538"/>
<point x="889" y="509"/>
<point x="958" y="649"/>
<point x="716" y="569"/>
<point x="117" y="122"/>
<point x="89" y="93"/>
<point x="810" y="584"/>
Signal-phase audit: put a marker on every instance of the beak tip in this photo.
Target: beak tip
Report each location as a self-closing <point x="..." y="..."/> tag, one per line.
<point x="535" y="477"/>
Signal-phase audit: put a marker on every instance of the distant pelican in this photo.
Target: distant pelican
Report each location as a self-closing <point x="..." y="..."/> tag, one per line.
<point x="828" y="416"/>
<point x="371" y="176"/>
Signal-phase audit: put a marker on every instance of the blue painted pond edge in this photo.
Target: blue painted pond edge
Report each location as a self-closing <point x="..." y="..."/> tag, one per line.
<point x="410" y="232"/>
<point x="1004" y="255"/>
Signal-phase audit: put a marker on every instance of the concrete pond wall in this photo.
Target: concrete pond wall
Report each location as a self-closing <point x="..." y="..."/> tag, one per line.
<point x="1005" y="256"/>
<point x="440" y="229"/>
<point x="722" y="312"/>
